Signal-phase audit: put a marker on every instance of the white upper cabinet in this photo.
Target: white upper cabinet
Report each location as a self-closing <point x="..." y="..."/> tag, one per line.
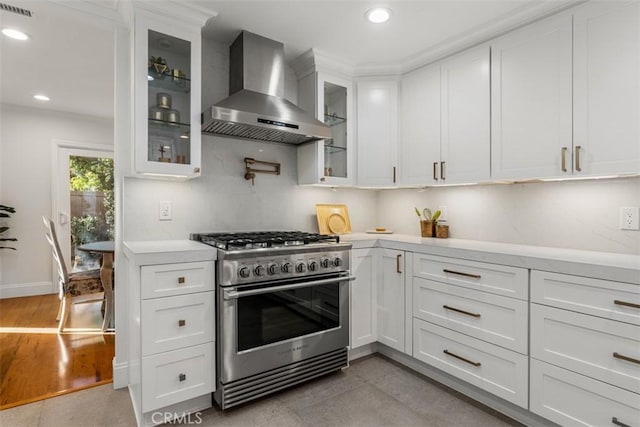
<point x="606" y="77"/>
<point x="531" y="101"/>
<point x="465" y="105"/>
<point x="420" y="130"/>
<point x="330" y="99"/>
<point x="167" y="67"/>
<point x="377" y="129"/>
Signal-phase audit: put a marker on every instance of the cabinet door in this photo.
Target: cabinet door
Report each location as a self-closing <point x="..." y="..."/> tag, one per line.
<point x="377" y="104"/>
<point x="465" y="150"/>
<point x="363" y="297"/>
<point x="607" y="88"/>
<point x="531" y="102"/>
<point x="391" y="299"/>
<point x="420" y="130"/>
<point x="167" y="69"/>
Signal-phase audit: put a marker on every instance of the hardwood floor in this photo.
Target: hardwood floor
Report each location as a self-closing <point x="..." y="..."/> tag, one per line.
<point x="36" y="362"/>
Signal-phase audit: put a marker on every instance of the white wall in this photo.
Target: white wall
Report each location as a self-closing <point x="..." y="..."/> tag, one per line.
<point x="569" y="214"/>
<point x="26" y="141"/>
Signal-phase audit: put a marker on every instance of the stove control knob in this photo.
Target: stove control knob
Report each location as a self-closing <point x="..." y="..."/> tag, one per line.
<point x="324" y="263"/>
<point x="337" y="262"/>
<point x="273" y="269"/>
<point x="244" y="272"/>
<point x="301" y="267"/>
<point x="313" y="266"/>
<point x="259" y="270"/>
<point x="286" y="267"/>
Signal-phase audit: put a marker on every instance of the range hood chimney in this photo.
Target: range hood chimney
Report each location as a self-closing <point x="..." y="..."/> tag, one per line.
<point x="256" y="108"/>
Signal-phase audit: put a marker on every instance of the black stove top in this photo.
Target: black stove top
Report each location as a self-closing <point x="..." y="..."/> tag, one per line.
<point x="262" y="239"/>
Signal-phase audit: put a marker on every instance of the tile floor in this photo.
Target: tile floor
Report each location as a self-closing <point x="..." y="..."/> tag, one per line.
<point x="374" y="391"/>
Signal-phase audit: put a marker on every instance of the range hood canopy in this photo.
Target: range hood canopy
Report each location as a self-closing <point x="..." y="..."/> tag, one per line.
<point x="256" y="108"/>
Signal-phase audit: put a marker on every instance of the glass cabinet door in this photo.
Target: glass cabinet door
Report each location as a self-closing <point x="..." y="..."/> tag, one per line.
<point x="335" y="116"/>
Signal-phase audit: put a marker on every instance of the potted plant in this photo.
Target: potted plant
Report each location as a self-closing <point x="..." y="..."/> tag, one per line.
<point x="5" y="212"/>
<point x="428" y="224"/>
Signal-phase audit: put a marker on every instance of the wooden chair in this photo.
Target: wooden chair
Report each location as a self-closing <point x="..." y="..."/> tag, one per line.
<point x="74" y="288"/>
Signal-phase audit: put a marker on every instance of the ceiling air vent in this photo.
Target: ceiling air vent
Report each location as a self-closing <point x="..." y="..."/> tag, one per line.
<point x="13" y="9"/>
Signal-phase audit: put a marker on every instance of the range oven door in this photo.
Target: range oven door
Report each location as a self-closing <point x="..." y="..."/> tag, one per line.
<point x="267" y="326"/>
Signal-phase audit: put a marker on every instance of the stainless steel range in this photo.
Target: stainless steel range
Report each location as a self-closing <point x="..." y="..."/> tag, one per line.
<point x="282" y="310"/>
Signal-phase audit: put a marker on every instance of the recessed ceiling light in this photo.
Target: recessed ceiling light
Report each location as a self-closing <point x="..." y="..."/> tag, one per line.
<point x="15" y="34"/>
<point x="41" y="97"/>
<point x="378" y="15"/>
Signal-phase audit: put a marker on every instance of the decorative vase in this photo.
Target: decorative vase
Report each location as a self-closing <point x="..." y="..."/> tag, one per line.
<point x="427" y="228"/>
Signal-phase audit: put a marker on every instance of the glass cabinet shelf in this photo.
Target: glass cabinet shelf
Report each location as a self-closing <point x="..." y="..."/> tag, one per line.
<point x="168" y="82"/>
<point x="331" y="149"/>
<point x="333" y="120"/>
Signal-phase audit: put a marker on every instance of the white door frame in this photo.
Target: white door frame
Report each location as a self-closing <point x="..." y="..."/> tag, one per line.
<point x="60" y="199"/>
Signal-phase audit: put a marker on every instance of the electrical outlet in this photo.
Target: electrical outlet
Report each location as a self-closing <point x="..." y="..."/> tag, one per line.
<point x="630" y="218"/>
<point x="443" y="213"/>
<point x="164" y="211"/>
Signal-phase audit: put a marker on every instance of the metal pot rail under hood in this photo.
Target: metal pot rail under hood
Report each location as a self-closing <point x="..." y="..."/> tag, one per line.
<point x="256" y="108"/>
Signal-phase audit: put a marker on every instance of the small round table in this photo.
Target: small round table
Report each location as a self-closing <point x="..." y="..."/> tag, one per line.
<point x="107" y="249"/>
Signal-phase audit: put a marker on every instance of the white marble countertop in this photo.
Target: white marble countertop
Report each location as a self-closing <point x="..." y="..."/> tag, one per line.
<point x="603" y="265"/>
<point x="168" y="251"/>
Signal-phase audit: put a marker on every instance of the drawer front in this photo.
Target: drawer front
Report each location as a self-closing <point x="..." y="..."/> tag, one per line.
<point x="497" y="279"/>
<point x="612" y="300"/>
<point x="493" y="318"/>
<point x="176" y="376"/>
<point x="599" y="348"/>
<point x="492" y="368"/>
<point x="570" y="399"/>
<point x="175" y="322"/>
<point x="177" y="279"/>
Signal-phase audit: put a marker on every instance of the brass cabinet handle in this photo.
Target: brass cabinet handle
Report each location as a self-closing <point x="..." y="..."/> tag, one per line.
<point x="615" y="421"/>
<point x="578" y="168"/>
<point x="398" y="263"/>
<point x="394" y="174"/>
<point x="626" y="304"/>
<point x="181" y="280"/>
<point x="196" y="170"/>
<point x="182" y="322"/>
<point x="435" y="171"/>
<point x="470" y="362"/>
<point x="468" y="313"/>
<point x="563" y="166"/>
<point x="626" y="358"/>
<point x="182" y="377"/>
<point x="442" y="171"/>
<point x="459" y="273"/>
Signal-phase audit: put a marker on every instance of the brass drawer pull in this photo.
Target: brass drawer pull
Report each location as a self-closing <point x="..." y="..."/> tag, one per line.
<point x="563" y="166"/>
<point x="398" y="263"/>
<point x="473" y="276"/>
<point x="442" y="171"/>
<point x="182" y="377"/>
<point x="626" y="358"/>
<point x="182" y="322"/>
<point x="578" y="168"/>
<point x="468" y="313"/>
<point x="181" y="280"/>
<point x="615" y="421"/>
<point x="394" y="174"/>
<point x="626" y="304"/>
<point x="435" y="171"/>
<point x="470" y="362"/>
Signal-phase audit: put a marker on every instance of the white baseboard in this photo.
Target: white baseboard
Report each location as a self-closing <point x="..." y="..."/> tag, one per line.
<point x="120" y="374"/>
<point x="26" y="289"/>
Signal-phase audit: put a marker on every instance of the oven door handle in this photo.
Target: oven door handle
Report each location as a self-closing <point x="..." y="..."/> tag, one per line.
<point x="233" y="294"/>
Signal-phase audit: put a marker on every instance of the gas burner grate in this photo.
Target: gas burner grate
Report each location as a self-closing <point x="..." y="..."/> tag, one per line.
<point x="262" y="239"/>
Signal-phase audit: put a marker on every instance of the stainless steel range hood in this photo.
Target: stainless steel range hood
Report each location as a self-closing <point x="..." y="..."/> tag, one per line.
<point x="256" y="108"/>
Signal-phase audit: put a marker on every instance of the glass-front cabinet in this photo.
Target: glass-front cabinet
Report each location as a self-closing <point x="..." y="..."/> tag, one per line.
<point x="167" y="102"/>
<point x="329" y="161"/>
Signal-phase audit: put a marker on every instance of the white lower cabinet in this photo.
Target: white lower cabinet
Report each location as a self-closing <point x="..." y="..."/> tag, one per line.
<point x="391" y="299"/>
<point x="363" y="297"/>
<point x="570" y="399"/>
<point x="487" y="366"/>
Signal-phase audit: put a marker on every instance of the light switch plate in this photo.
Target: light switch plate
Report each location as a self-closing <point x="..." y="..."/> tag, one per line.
<point x="629" y="218"/>
<point x="164" y="211"/>
<point x="443" y="213"/>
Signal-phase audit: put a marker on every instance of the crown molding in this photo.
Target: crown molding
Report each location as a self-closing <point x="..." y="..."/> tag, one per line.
<point x="314" y="60"/>
<point x="187" y="11"/>
<point x="106" y="11"/>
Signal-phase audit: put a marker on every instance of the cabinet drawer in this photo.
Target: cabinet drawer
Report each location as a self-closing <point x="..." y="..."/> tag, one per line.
<point x="587" y="345"/>
<point x="177" y="279"/>
<point x="176" y="376"/>
<point x="497" y="279"/>
<point x="176" y="322"/>
<point x="612" y="300"/>
<point x="492" y="368"/>
<point x="570" y="399"/>
<point x="493" y="318"/>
